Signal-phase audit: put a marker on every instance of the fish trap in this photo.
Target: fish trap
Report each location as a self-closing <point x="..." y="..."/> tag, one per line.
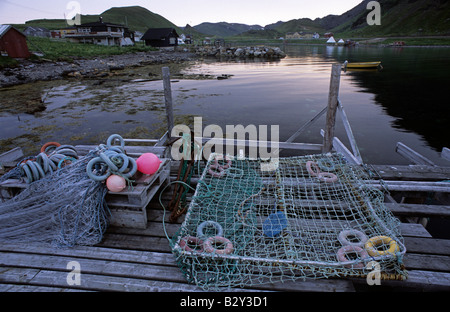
<point x="312" y="216"/>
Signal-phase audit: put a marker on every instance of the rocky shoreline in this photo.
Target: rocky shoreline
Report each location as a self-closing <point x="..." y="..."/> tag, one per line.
<point x="241" y="52"/>
<point x="44" y="70"/>
<point x="28" y="71"/>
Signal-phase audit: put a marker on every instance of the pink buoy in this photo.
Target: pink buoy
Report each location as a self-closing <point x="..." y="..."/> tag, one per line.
<point x="148" y="163"/>
<point x="116" y="183"/>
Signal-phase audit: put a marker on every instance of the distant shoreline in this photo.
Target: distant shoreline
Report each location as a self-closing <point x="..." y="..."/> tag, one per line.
<point x="45" y="70"/>
<point x="431" y="41"/>
<point x="27" y="71"/>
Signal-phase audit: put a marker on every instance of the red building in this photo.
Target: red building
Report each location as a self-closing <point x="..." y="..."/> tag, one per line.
<point x="13" y="42"/>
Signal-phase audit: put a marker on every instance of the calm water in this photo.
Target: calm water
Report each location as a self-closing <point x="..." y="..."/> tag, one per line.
<point x="406" y="101"/>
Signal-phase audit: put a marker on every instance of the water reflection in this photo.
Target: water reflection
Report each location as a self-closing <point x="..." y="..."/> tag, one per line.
<point x="403" y="102"/>
<point x="412" y="88"/>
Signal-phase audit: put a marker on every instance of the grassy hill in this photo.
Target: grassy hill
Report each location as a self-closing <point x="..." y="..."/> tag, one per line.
<point x="224" y="29"/>
<point x="136" y="17"/>
<point x="298" y="25"/>
<point x="398" y="18"/>
<point x="189" y="30"/>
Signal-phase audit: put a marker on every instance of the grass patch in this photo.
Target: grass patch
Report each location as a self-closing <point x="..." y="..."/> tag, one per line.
<point x="6" y="61"/>
<point x="60" y="50"/>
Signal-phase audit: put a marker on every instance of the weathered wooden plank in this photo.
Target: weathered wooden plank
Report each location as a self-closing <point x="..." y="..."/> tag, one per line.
<point x="128" y="218"/>
<point x="445" y="153"/>
<point x="155" y="229"/>
<point x="427" y="246"/>
<point x="268" y="144"/>
<point x="412" y="155"/>
<point x="96" y="282"/>
<point x="132" y="151"/>
<point x="429" y="279"/>
<point x="417" y="210"/>
<point x="147" y="243"/>
<point x="94" y="252"/>
<point x="333" y="96"/>
<point x="16" y="275"/>
<point x="168" y="99"/>
<point x="414" y="229"/>
<point x="128" y="208"/>
<point x="427" y="262"/>
<point x="10" y="158"/>
<point x="341" y="148"/>
<point x="106" y="271"/>
<point x="350" y="135"/>
<point x="156" y="216"/>
<point x="414" y="186"/>
<point x="31" y="288"/>
<point x="151" y="141"/>
<point x="308" y="285"/>
<point x="418" y="280"/>
<point x="413" y="173"/>
<point x="91" y="266"/>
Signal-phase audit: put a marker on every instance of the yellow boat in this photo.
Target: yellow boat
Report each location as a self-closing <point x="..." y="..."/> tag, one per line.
<point x="361" y="65"/>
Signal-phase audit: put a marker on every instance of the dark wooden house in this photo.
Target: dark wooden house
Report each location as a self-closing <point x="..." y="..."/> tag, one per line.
<point x="161" y="37"/>
<point x="13" y="42"/>
<point x="102" y="33"/>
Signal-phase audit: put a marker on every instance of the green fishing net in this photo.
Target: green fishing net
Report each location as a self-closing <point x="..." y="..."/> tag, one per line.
<point x="312" y="216"/>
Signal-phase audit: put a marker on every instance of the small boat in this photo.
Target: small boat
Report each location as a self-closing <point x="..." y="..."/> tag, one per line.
<point x="362" y="65"/>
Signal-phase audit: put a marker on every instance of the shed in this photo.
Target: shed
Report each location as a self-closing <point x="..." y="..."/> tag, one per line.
<point x="13" y="42"/>
<point x="33" y="31"/>
<point x="161" y="37"/>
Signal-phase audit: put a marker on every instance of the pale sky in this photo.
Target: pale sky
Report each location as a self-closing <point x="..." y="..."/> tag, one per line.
<point x="181" y="12"/>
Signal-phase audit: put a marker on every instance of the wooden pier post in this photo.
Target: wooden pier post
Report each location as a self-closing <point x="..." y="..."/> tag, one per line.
<point x="332" y="108"/>
<point x="168" y="100"/>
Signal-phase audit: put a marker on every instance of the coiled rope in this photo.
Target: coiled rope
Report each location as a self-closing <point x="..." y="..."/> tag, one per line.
<point x="53" y="156"/>
<point x="66" y="208"/>
<point x="112" y="160"/>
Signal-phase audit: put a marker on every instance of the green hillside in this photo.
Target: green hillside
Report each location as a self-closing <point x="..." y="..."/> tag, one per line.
<point x="398" y="18"/>
<point x="298" y="25"/>
<point x="189" y="30"/>
<point x="224" y="29"/>
<point x="401" y="18"/>
<point x="137" y="18"/>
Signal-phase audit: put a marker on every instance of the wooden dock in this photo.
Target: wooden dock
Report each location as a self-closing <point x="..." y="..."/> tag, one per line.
<point x="139" y="258"/>
<point x="133" y="259"/>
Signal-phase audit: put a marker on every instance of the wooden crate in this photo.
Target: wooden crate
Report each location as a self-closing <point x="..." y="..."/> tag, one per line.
<point x="128" y="208"/>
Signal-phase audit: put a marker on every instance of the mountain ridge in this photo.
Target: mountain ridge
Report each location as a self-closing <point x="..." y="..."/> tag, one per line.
<point x="398" y="17"/>
<point x="135" y="17"/>
<point x="225" y="29"/>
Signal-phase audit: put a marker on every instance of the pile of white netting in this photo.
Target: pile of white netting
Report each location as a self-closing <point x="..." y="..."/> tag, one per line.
<point x="313" y="216"/>
<point x="66" y="206"/>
